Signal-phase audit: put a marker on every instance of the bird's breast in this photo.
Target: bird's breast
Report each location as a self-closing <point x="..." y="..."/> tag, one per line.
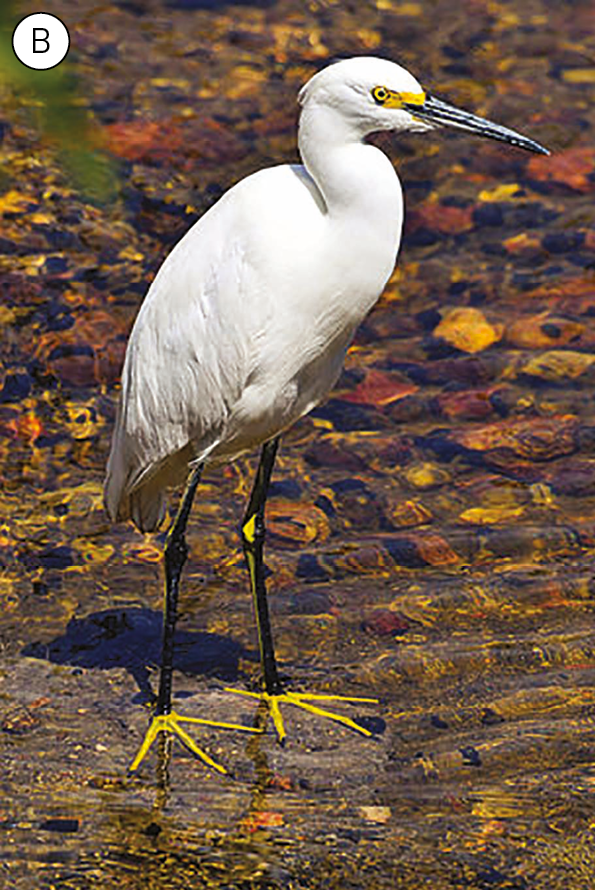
<point x="310" y="277"/>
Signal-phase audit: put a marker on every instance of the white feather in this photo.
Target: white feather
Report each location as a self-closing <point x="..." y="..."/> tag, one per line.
<point x="245" y="326"/>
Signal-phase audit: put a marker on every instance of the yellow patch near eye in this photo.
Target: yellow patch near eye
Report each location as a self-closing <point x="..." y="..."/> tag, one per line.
<point x="392" y="99"/>
<point x="397" y="100"/>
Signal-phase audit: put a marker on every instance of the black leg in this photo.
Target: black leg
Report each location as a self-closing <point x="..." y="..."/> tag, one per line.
<point x="165" y="720"/>
<point x="176" y="552"/>
<point x="253" y="535"/>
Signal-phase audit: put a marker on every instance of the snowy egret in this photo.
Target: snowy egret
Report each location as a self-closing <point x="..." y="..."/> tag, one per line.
<point x="244" y="329"/>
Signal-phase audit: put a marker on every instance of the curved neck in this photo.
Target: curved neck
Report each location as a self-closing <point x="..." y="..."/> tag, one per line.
<point x="348" y="173"/>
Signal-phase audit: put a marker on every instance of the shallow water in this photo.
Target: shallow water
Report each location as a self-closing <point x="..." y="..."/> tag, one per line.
<point x="431" y="526"/>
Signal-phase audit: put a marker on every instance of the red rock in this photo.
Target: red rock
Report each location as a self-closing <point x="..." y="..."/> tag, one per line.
<point x="384" y="623"/>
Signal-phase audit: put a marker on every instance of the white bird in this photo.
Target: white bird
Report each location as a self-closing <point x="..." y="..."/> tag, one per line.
<point x="245" y="327"/>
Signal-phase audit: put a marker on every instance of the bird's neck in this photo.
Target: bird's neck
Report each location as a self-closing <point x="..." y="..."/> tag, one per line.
<point x="351" y="176"/>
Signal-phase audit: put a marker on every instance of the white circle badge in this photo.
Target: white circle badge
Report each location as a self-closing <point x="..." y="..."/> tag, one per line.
<point x="40" y="41"/>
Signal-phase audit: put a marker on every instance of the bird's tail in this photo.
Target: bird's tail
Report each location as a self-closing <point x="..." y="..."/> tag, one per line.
<point x="143" y="502"/>
<point x="145" y="505"/>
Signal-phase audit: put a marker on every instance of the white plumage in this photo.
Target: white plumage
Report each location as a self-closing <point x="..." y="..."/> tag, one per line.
<point x="246" y="324"/>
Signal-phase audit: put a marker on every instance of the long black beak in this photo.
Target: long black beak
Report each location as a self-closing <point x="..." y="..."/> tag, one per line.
<point x="436" y="111"/>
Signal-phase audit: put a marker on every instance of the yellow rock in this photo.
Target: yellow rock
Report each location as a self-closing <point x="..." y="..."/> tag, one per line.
<point x="522" y="241"/>
<point x="244" y="80"/>
<point x="542" y="330"/>
<point x="467" y="329"/>
<point x="579" y="75"/>
<point x="42" y="219"/>
<point x="501" y="193"/>
<point x="14" y="202"/>
<point x="491" y="515"/>
<point x="376" y="814"/>
<point x="7" y="315"/>
<point x="129" y="253"/>
<point x="426" y="475"/>
<point x="558" y="363"/>
<point x="411" y="513"/>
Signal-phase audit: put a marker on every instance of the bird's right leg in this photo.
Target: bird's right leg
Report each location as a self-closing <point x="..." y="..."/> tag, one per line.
<point x="164" y="719"/>
<point x="253" y="537"/>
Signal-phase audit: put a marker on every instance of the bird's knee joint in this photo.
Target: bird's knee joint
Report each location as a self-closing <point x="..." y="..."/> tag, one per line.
<point x="253" y="531"/>
<point x="176" y="552"/>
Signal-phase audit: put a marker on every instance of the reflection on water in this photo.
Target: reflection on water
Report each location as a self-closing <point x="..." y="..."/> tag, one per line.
<point x="431" y="525"/>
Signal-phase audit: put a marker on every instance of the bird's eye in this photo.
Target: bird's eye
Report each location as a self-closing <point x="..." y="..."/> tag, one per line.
<point x="380" y="95"/>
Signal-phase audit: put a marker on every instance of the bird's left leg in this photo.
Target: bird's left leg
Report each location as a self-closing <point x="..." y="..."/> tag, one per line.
<point x="164" y="719"/>
<point x="253" y="536"/>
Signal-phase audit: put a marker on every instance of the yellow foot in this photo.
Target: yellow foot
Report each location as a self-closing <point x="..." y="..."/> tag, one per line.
<point x="171" y="723"/>
<point x="303" y="700"/>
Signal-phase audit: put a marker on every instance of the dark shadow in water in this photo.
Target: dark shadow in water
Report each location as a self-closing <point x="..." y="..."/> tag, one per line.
<point x="131" y="638"/>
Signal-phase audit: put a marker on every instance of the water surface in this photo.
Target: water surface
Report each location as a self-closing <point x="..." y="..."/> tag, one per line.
<point x="431" y="526"/>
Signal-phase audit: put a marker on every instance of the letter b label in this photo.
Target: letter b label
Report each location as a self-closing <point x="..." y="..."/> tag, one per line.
<point x="44" y="40"/>
<point x="40" y="41"/>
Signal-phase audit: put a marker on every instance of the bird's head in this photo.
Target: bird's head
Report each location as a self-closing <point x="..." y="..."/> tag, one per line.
<point x="372" y="94"/>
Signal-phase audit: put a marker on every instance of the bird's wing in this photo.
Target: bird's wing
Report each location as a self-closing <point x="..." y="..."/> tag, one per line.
<point x="188" y="356"/>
